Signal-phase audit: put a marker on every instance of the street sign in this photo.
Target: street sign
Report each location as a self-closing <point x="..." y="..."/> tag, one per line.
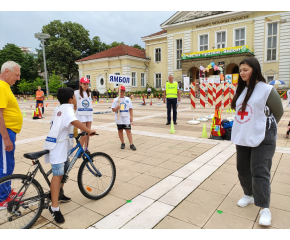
<point x="41" y="35"/>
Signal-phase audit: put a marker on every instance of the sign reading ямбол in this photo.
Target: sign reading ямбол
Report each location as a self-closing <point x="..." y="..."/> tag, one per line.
<point x="120" y="79"/>
<point x="217" y="52"/>
<point x="222" y="21"/>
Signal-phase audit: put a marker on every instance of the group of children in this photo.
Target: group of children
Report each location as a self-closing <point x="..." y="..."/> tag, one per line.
<point x="60" y="137"/>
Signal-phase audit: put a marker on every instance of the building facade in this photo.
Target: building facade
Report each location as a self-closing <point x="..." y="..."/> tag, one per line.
<point x="190" y="39"/>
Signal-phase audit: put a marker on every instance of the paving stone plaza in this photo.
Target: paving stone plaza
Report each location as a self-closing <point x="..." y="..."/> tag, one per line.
<point x="176" y="180"/>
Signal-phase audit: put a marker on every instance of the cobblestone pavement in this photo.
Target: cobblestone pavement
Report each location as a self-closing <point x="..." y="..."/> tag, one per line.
<point x="173" y="180"/>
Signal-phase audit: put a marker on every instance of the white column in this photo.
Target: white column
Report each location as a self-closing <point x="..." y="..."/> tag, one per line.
<point x="259" y="39"/>
<point x="284" y="48"/>
<point x="170" y="57"/>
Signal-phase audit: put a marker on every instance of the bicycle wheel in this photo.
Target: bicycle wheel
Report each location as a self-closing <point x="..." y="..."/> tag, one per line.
<point x="21" y="214"/>
<point x="90" y="184"/>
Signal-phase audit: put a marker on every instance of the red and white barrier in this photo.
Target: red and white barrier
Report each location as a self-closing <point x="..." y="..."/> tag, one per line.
<point x="226" y="95"/>
<point x="192" y="100"/>
<point x="202" y="101"/>
<point x="202" y="94"/>
<point x="210" y="94"/>
<point x="192" y="91"/>
<point x="218" y="96"/>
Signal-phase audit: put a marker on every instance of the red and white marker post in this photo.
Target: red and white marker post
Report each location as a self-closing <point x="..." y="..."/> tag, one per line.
<point x="202" y="101"/>
<point x="233" y="87"/>
<point x="210" y="100"/>
<point x="192" y="101"/>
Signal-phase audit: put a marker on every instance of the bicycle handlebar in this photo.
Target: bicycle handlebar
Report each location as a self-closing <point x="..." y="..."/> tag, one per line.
<point x="84" y="134"/>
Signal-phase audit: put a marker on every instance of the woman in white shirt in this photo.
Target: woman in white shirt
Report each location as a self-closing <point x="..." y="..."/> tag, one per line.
<point x="84" y="109"/>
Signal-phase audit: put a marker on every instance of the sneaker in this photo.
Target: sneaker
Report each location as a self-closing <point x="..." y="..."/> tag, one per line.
<point x="4" y="204"/>
<point x="245" y="201"/>
<point x="175" y="123"/>
<point x="57" y="216"/>
<point x="167" y="123"/>
<point x="122" y="145"/>
<point x="265" y="218"/>
<point x="64" y="199"/>
<point x="12" y="194"/>
<point x="133" y="147"/>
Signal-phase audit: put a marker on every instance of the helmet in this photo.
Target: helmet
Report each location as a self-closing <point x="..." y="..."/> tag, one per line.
<point x="85" y="80"/>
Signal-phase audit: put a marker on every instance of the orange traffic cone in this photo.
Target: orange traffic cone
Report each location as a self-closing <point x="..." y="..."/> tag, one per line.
<point x="285" y="96"/>
<point x="143" y="103"/>
<point x="34" y="115"/>
<point x="39" y="113"/>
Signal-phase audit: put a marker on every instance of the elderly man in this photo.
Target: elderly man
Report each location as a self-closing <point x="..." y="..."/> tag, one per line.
<point x="171" y="92"/>
<point x="40" y="98"/>
<point x="10" y="124"/>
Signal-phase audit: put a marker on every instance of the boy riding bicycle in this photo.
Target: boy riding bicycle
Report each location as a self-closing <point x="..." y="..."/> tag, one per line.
<point x="59" y="141"/>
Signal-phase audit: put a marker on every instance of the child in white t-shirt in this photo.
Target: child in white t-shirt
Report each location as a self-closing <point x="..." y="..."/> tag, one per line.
<point x="125" y="117"/>
<point x="59" y="143"/>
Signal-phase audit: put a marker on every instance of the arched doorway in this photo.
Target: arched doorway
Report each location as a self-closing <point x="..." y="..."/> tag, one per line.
<point x="101" y="84"/>
<point x="193" y="74"/>
<point x="232" y="68"/>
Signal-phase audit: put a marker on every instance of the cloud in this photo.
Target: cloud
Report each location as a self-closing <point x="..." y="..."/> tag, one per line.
<point x="110" y="26"/>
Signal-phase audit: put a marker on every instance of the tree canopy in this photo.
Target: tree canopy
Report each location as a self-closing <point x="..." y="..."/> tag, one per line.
<point x="29" y="69"/>
<point x="69" y="42"/>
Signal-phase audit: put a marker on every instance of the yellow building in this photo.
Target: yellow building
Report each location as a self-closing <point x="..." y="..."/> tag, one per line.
<point x="120" y="60"/>
<point x="190" y="39"/>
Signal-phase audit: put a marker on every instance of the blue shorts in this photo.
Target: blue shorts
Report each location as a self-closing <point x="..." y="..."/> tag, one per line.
<point x="59" y="169"/>
<point x="7" y="164"/>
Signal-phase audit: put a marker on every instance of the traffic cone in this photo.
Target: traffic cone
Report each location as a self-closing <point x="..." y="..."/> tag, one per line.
<point x="143" y="103"/>
<point x="204" y="132"/>
<point x="34" y="116"/>
<point x="39" y="113"/>
<point x="172" y="130"/>
<point x="285" y="97"/>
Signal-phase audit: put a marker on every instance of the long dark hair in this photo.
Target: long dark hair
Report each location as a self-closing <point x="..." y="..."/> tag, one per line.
<point x="256" y="76"/>
<point x="81" y="91"/>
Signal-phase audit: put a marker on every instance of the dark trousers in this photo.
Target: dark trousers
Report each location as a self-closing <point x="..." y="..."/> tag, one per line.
<point x="148" y="94"/>
<point x="254" y="166"/>
<point x="287" y="133"/>
<point x="40" y="101"/>
<point x="109" y="95"/>
<point x="171" y="102"/>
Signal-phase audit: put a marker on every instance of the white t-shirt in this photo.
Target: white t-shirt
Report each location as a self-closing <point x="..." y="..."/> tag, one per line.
<point x="59" y="153"/>
<point x="84" y="118"/>
<point x="124" y="111"/>
<point x="148" y="89"/>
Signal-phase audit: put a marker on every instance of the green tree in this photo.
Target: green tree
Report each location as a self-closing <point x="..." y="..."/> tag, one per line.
<point x="114" y="44"/>
<point x="68" y="42"/>
<point x="24" y="86"/>
<point x="11" y="52"/>
<point x="137" y="46"/>
<point x="37" y="82"/>
<point x="97" y="46"/>
<point x="54" y="83"/>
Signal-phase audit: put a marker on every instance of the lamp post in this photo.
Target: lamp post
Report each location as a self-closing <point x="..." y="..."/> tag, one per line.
<point x="42" y="37"/>
<point x="106" y="84"/>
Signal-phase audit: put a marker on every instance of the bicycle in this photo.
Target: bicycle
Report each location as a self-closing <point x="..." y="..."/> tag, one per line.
<point x="29" y="200"/>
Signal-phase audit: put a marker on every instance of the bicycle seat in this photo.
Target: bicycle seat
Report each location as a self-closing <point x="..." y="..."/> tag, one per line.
<point x="35" y="155"/>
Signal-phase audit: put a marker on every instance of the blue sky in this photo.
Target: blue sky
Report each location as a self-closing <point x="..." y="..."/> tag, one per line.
<point x="126" y="26"/>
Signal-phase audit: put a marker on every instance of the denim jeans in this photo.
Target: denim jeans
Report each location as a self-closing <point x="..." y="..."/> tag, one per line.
<point x="254" y="166"/>
<point x="173" y="102"/>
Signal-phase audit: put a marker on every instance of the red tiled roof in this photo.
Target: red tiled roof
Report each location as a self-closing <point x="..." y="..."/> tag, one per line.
<point x="158" y="33"/>
<point x="117" y="51"/>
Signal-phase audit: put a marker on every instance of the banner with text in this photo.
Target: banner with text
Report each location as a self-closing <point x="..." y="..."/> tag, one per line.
<point x="120" y="79"/>
<point x="217" y="52"/>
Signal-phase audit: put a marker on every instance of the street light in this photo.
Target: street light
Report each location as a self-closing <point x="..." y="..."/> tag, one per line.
<point x="106" y="84"/>
<point x="42" y="37"/>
